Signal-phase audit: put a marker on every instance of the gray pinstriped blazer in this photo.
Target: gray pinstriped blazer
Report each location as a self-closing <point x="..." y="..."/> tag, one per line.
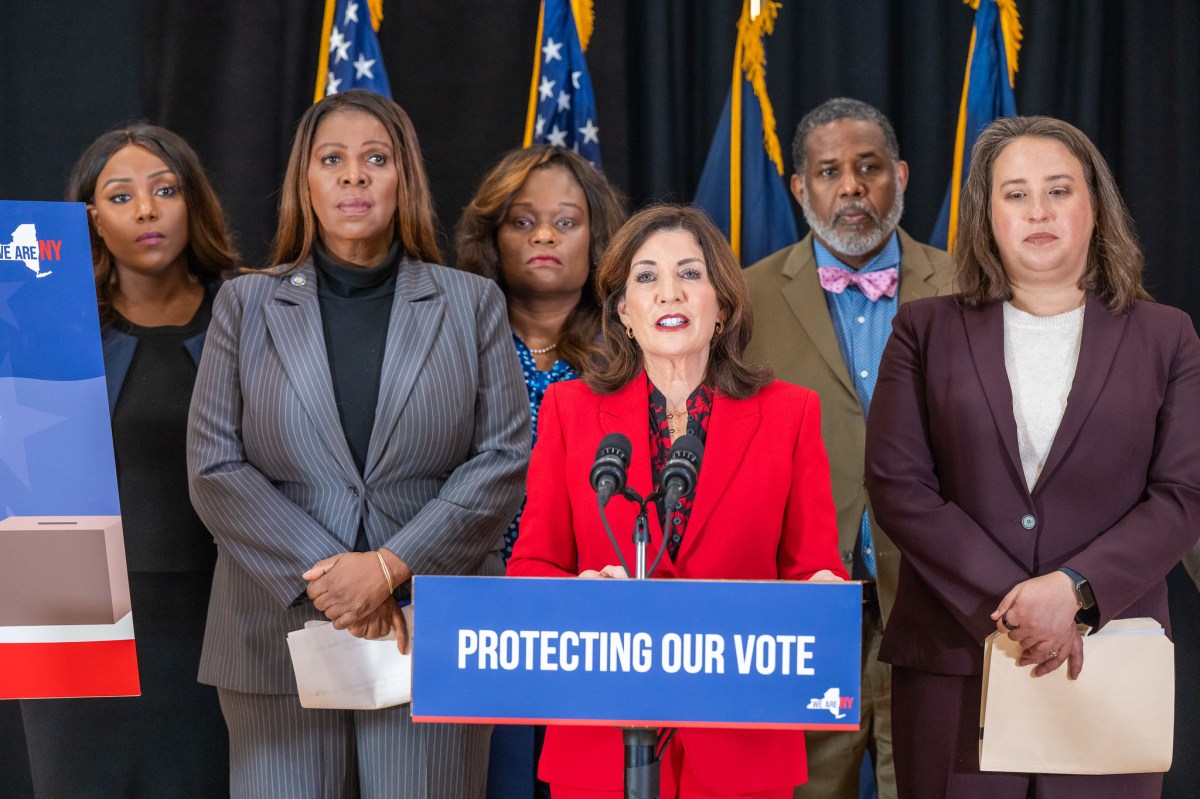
<point x="273" y="478"/>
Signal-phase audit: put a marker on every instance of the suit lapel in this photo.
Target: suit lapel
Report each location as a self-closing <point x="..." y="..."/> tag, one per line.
<point x="806" y="299"/>
<point x="916" y="270"/>
<point x="1102" y="332"/>
<point x="985" y="335"/>
<point x="731" y="427"/>
<point x="294" y="321"/>
<point x="417" y="311"/>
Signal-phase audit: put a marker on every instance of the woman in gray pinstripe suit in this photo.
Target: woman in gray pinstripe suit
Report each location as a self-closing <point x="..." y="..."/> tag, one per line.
<point x="358" y="417"/>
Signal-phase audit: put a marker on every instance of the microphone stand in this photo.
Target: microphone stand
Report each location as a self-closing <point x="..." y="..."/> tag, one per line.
<point x="641" y="759"/>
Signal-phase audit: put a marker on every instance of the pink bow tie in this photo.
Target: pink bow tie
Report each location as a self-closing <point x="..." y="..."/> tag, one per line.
<point x="873" y="284"/>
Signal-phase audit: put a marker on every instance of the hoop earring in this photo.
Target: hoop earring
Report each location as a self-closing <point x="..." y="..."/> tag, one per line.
<point x="629" y="331"/>
<point x="720" y="326"/>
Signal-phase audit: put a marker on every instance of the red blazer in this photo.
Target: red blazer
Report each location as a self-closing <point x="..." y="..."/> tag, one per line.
<point x="763" y="511"/>
<point x="1118" y="500"/>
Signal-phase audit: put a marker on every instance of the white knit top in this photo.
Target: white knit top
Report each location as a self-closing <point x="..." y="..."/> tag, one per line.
<point x="1040" y="355"/>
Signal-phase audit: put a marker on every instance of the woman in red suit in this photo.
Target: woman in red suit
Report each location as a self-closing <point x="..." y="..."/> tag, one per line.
<point x="676" y="320"/>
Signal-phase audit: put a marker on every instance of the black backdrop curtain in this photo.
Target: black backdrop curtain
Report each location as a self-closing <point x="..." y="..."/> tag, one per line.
<point x="233" y="77"/>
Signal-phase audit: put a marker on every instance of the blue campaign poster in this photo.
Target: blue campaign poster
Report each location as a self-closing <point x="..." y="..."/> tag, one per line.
<point x="68" y="628"/>
<point x="55" y="441"/>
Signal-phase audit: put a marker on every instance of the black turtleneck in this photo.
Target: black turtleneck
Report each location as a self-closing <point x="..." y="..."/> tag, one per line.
<point x="356" y="308"/>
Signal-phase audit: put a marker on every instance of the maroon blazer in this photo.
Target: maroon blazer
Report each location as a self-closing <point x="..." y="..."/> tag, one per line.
<point x="1118" y="500"/>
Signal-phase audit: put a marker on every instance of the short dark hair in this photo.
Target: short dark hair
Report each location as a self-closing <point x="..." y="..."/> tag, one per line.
<point x="415" y="226"/>
<point x="1114" y="259"/>
<point x="476" y="237"/>
<point x="621" y="359"/>
<point x="210" y="251"/>
<point x="833" y="110"/>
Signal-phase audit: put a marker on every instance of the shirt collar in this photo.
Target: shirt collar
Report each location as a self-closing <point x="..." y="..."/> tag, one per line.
<point x="887" y="258"/>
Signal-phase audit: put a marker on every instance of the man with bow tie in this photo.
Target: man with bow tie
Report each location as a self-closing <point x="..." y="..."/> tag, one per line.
<point x="823" y="311"/>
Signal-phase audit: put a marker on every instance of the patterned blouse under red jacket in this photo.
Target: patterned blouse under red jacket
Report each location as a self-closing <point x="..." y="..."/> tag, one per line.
<point x="699" y="406"/>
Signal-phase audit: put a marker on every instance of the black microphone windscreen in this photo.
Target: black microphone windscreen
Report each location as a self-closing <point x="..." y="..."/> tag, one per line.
<point x="615" y="444"/>
<point x="688" y="447"/>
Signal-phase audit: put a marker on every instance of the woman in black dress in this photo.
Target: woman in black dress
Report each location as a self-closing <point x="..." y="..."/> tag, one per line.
<point x="160" y="245"/>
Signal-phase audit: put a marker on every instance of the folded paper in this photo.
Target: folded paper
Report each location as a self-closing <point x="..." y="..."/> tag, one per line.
<point x="335" y="670"/>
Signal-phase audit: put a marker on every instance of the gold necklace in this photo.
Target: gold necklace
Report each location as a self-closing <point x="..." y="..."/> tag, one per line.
<point x="673" y="418"/>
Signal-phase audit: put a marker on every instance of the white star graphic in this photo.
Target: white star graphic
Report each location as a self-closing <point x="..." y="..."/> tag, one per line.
<point x="6" y="292"/>
<point x="331" y="85"/>
<point x="539" y="126"/>
<point x="552" y="50"/>
<point x="343" y="52"/>
<point x="546" y="88"/>
<point x="362" y="67"/>
<point x="564" y="101"/>
<point x="351" y="14"/>
<point x="575" y="79"/>
<point x="20" y="423"/>
<point x="590" y="132"/>
<point x="557" y="137"/>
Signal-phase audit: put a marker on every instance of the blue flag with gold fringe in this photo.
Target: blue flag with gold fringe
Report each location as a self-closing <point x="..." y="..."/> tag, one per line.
<point x="741" y="188"/>
<point x="987" y="94"/>
<point x="350" y="55"/>
<point x="562" y="105"/>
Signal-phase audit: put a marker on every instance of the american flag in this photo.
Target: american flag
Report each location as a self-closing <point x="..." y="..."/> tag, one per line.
<point x="350" y="55"/>
<point x="562" y="106"/>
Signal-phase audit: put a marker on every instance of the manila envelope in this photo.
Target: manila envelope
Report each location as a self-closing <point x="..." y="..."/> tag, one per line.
<point x="1117" y="718"/>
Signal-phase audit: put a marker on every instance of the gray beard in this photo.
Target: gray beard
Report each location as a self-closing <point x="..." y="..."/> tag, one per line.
<point x="855" y="244"/>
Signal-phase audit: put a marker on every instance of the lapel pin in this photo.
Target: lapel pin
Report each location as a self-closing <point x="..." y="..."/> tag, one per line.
<point x="298" y="280"/>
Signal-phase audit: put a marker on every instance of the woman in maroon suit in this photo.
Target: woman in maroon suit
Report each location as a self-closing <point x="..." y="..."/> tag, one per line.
<point x="1033" y="450"/>
<point x="676" y="320"/>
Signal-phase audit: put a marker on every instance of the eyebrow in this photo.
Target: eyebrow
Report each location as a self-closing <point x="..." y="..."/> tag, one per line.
<point x="1048" y="179"/>
<point x="375" y="142"/>
<point x="652" y="262"/>
<point x="861" y="155"/>
<point x="151" y="176"/>
<point x="529" y="203"/>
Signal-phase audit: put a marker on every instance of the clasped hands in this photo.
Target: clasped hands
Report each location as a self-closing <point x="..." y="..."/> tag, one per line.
<point x="1039" y="614"/>
<point x="619" y="573"/>
<point x="352" y="591"/>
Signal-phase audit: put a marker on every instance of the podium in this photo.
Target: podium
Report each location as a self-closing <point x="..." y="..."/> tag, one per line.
<point x="637" y="653"/>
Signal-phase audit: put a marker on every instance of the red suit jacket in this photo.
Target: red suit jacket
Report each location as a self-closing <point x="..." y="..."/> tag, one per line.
<point x="1118" y="500"/>
<point x="763" y="511"/>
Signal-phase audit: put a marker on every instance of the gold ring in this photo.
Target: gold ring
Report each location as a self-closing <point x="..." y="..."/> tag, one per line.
<point x="1053" y="654"/>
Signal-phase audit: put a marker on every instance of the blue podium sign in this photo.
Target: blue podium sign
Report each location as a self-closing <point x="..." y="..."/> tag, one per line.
<point x="678" y="653"/>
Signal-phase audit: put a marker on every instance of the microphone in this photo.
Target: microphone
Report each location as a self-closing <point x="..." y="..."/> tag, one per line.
<point x="609" y="471"/>
<point x="679" y="475"/>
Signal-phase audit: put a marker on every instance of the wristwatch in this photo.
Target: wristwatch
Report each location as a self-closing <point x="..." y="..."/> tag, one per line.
<point x="1083" y="592"/>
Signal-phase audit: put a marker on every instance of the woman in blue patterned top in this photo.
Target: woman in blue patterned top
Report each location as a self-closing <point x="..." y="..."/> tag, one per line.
<point x="537" y="225"/>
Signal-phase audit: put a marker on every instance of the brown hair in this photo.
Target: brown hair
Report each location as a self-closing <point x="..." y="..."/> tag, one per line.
<point x="1114" y="260"/>
<point x="621" y="358"/>
<point x="210" y="253"/>
<point x="478" y="251"/>
<point x="414" y="205"/>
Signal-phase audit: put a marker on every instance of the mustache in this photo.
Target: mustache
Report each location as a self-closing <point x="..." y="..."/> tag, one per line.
<point x="856" y="207"/>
